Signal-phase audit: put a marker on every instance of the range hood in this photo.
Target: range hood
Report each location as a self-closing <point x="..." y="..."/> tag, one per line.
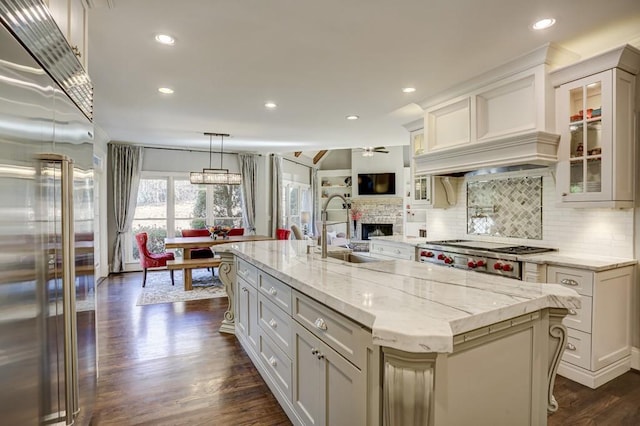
<point x="534" y="148"/>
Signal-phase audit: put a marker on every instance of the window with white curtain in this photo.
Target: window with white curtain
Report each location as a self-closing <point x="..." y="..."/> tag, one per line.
<point x="168" y="203"/>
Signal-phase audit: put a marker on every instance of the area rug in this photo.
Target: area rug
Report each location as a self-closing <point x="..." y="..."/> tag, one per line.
<point x="159" y="289"/>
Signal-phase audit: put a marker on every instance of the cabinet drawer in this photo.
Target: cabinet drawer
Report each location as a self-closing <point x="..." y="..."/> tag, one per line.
<point x="246" y="271"/>
<point x="276" y="291"/>
<point x="278" y="365"/>
<point x="580" y="319"/>
<point x="578" y="349"/>
<point x="346" y="337"/>
<point x="276" y="324"/>
<point x="396" y="252"/>
<point x="576" y="279"/>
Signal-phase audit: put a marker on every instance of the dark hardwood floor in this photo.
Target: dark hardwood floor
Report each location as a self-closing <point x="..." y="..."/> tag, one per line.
<point x="168" y="364"/>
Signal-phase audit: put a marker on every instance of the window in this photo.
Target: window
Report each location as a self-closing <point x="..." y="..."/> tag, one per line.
<point x="226" y="202"/>
<point x="298" y="205"/>
<point x="190" y="206"/>
<point x="166" y="204"/>
<point x="150" y="216"/>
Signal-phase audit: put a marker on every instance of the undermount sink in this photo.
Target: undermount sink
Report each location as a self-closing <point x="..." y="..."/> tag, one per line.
<point x="352" y="257"/>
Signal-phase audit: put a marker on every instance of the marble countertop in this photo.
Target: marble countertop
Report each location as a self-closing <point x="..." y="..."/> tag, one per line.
<point x="411" y="306"/>
<point x="589" y="262"/>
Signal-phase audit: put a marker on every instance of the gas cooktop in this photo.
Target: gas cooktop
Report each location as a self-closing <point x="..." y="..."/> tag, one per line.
<point x="490" y="246"/>
<point x="482" y="256"/>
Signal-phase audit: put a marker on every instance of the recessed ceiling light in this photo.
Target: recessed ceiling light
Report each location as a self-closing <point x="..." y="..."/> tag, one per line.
<point x="270" y="105"/>
<point x="544" y="23"/>
<point x="165" y="39"/>
<point x="352" y="117"/>
<point x="409" y="89"/>
<point x="165" y="90"/>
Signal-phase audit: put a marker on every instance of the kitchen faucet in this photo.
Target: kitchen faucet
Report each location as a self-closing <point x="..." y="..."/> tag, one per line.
<point x="323" y="216"/>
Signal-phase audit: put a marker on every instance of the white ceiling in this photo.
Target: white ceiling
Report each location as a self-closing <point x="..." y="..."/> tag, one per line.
<point x="318" y="60"/>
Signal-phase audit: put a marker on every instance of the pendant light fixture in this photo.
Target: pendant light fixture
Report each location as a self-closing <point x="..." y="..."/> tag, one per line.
<point x="216" y="176"/>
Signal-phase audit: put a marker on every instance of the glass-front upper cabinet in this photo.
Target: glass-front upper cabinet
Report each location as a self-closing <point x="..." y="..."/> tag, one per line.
<point x="595" y="155"/>
<point x="421" y="188"/>
<point x="585" y="127"/>
<point x="417" y="142"/>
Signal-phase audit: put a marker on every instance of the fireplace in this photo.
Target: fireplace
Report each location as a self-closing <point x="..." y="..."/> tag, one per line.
<point x="376" y="230"/>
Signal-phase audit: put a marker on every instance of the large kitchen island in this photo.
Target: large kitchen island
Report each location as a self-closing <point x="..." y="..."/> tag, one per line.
<point x="349" y="341"/>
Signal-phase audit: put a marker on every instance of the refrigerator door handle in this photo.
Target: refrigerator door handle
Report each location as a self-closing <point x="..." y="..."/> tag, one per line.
<point x="69" y="292"/>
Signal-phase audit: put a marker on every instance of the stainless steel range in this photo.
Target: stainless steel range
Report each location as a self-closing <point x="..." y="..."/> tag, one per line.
<point x="481" y="256"/>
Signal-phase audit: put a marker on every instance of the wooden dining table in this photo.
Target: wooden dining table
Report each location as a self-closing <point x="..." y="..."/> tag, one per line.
<point x="227" y="270"/>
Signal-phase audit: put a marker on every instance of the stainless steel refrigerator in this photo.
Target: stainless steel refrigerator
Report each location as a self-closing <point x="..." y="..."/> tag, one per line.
<point x="47" y="291"/>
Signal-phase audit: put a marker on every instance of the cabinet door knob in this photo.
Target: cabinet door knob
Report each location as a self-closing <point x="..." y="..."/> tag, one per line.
<point x="273" y="361"/>
<point x="314" y="351"/>
<point x="568" y="281"/>
<point x="244" y="289"/>
<point x="273" y="323"/>
<point x="320" y="356"/>
<point x="571" y="347"/>
<point x="321" y="324"/>
<point x="573" y="312"/>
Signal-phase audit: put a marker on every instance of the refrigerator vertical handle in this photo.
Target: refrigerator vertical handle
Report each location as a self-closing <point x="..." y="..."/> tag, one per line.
<point x="69" y="293"/>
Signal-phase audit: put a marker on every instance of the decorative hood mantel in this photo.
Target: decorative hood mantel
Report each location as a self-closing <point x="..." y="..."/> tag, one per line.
<point x="538" y="148"/>
<point x="504" y="117"/>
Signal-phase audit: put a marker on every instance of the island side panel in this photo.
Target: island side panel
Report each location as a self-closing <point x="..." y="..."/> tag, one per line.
<point x="502" y="374"/>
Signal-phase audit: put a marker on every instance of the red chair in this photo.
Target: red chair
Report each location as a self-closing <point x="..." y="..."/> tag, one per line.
<point x="200" y="252"/>
<point x="235" y="231"/>
<point x="151" y="260"/>
<point x="282" y="234"/>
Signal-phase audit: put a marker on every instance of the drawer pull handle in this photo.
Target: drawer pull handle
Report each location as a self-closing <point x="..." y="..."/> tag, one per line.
<point x="273" y="291"/>
<point x="573" y="312"/>
<point x="320" y="356"/>
<point x="314" y="351"/>
<point x="244" y="289"/>
<point x="571" y="347"/>
<point x="273" y="323"/>
<point x="568" y="281"/>
<point x="273" y="362"/>
<point x="321" y="324"/>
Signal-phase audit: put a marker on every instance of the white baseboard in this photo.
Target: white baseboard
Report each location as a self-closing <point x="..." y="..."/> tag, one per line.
<point x="635" y="358"/>
<point x="594" y="379"/>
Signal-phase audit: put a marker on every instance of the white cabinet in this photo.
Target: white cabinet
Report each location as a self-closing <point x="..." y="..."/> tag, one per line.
<point x="599" y="333"/>
<point x="246" y="304"/>
<point x="316" y="362"/>
<point x="384" y="249"/>
<point x="71" y="18"/>
<point x="328" y="389"/>
<point x="595" y="117"/>
<point x="334" y="182"/>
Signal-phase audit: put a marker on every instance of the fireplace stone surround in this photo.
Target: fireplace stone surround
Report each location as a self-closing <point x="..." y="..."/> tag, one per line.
<point x="379" y="210"/>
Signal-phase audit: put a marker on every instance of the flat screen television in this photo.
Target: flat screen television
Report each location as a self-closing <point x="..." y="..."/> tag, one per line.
<point x="376" y="183"/>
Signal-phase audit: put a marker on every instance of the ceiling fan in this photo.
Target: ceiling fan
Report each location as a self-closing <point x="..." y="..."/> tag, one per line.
<point x="368" y="151"/>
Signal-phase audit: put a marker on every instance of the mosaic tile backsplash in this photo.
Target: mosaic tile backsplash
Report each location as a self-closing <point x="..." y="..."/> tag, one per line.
<point x="506" y="207"/>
